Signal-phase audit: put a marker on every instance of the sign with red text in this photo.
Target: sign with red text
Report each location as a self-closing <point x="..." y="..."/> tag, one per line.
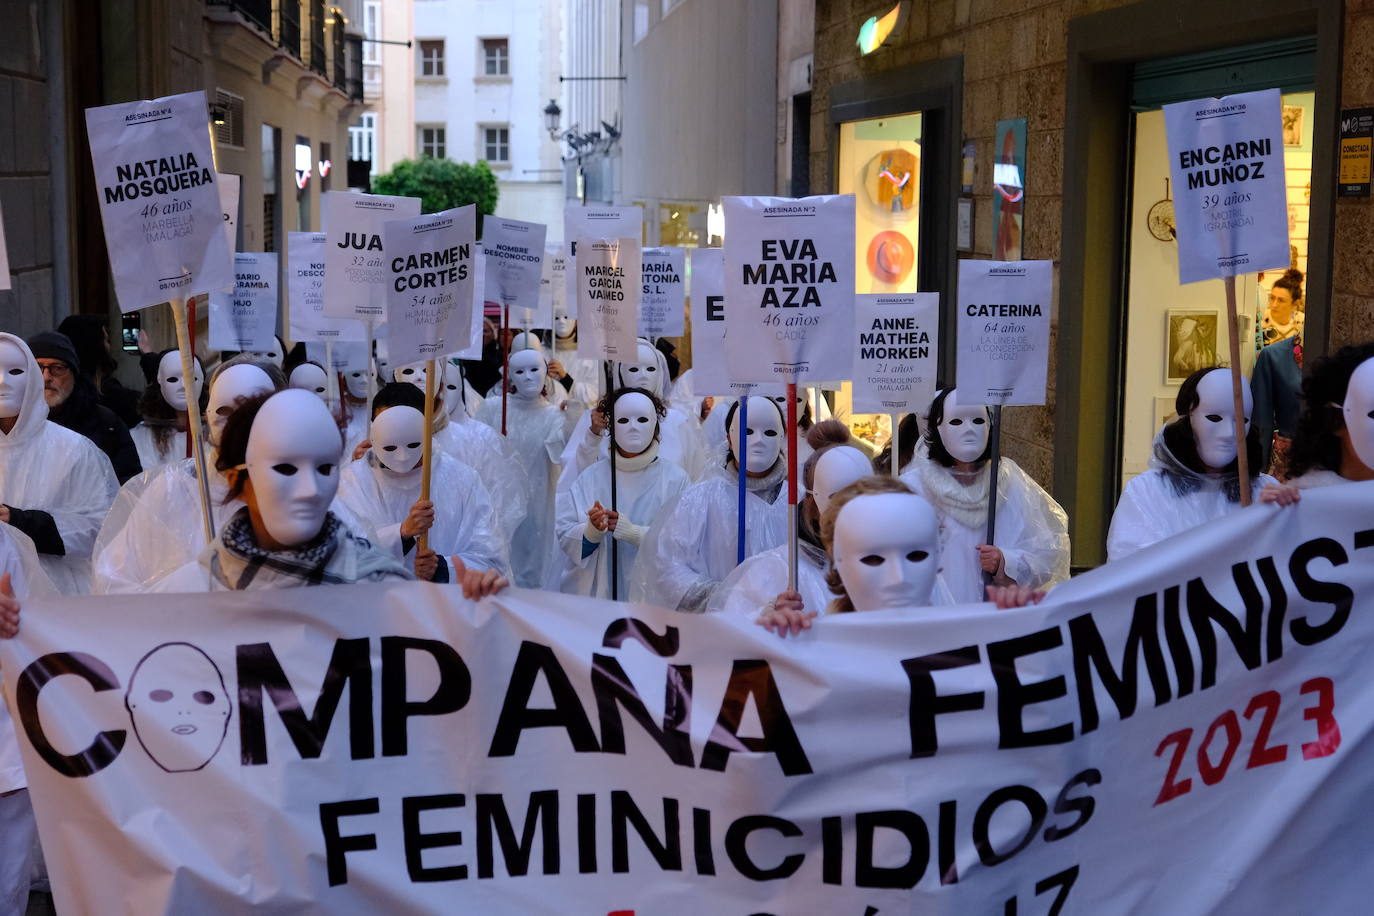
<point x="429" y="283"/>
<point x="1003" y="331"/>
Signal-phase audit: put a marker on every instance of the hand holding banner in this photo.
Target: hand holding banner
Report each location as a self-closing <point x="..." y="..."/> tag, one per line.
<point x="355" y="282"/>
<point x="429" y="285"/>
<point x="1003" y="331"/>
<point x="608" y="285"/>
<point x="896" y="348"/>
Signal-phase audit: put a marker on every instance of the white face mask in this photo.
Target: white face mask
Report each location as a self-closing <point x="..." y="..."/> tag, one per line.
<point x="527" y="373"/>
<point x="312" y="378"/>
<point x="635" y="422"/>
<point x="235" y="384"/>
<point x="836" y="469"/>
<point x="172" y="384"/>
<point x="14" y="378"/>
<point x="765" y="434"/>
<point x="563" y="326"/>
<point x="1214" y="418"/>
<point x="781" y="401"/>
<point x="276" y="355"/>
<point x="886" y="550"/>
<point x="356" y="382"/>
<point x="179" y="705"/>
<point x="643" y="372"/>
<point x="293" y="461"/>
<point x="398" y="435"/>
<point x="414" y="373"/>
<point x="454" y="396"/>
<point x="964" y="430"/>
<point x="1358" y="411"/>
<point x="524" y="341"/>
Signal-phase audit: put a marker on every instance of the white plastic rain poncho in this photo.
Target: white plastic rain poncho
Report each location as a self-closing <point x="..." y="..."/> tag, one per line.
<point x="1168" y="499"/>
<point x="691" y="546"/>
<point x="1032" y="529"/>
<point x="60" y="482"/>
<point x="489" y="454"/>
<point x="644" y="484"/>
<point x="585" y="372"/>
<point x="465" y="524"/>
<point x="149" y="455"/>
<point x="535" y="438"/>
<point x="18" y="558"/>
<point x="758" y="580"/>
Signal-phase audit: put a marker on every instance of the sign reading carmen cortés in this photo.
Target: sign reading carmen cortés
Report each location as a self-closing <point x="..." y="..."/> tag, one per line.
<point x="429" y="284"/>
<point x="159" y="200"/>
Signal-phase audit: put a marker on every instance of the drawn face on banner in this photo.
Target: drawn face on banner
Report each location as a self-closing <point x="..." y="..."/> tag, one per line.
<point x="1358" y="410"/>
<point x="527" y="371"/>
<point x="414" y="373"/>
<point x="836" y="469"/>
<point x="179" y="707"/>
<point x="644" y="372"/>
<point x="398" y="435"/>
<point x="355" y="380"/>
<point x="312" y="378"/>
<point x="14" y="378"/>
<point x="277" y="354"/>
<point x="765" y="434"/>
<point x="293" y="457"/>
<point x="886" y="551"/>
<point x="964" y="430"/>
<point x="563" y="326"/>
<point x="1214" y="418"/>
<point x="231" y="386"/>
<point x="454" y="404"/>
<point x="172" y="384"/>
<point x="635" y="422"/>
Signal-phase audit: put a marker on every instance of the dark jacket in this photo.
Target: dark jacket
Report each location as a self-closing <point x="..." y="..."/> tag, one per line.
<point x="82" y="413"/>
<point x="1275" y="384"/>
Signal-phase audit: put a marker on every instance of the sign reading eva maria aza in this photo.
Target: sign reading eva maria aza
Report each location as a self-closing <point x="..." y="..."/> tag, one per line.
<point x="608" y="289"/>
<point x="1231" y="202"/>
<point x="246" y="319"/>
<point x="355" y="284"/>
<point x="896" y="351"/>
<point x="394" y="748"/>
<point x="789" y="278"/>
<point x="429" y="284"/>
<point x="159" y="200"/>
<point x="1003" y="331"/>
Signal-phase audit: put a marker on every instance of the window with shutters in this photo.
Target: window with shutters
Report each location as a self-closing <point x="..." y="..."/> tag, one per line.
<point x="230" y="108"/>
<point x="432" y="57"/>
<point x="495" y="57"/>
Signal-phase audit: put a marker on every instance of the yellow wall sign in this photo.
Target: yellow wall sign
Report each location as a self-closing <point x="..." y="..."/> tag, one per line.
<point x="1357" y="140"/>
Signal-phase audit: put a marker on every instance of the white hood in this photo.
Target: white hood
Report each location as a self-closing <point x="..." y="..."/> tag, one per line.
<point x="34" y="413"/>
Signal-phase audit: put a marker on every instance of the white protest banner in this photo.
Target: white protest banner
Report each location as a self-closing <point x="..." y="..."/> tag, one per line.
<point x="595" y="223"/>
<point x="608" y="284"/>
<point x="229" y="184"/>
<point x="158" y="200"/>
<point x="355" y="283"/>
<point x="1003" y="331"/>
<point x="515" y="265"/>
<point x="663" y="293"/>
<point x="4" y="256"/>
<point x="246" y="319"/>
<point x="710" y="376"/>
<point x="789" y="278"/>
<point x="305" y="293"/>
<point x="1188" y="730"/>
<point x="429" y="284"/>
<point x="553" y="290"/>
<point x="471" y="346"/>
<point x="1230" y="199"/>
<point x="896" y="349"/>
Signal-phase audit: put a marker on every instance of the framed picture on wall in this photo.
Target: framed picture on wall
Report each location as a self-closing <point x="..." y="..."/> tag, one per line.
<point x="1190" y="342"/>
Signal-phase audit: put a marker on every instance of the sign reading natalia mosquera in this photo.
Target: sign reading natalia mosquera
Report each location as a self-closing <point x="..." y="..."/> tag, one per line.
<point x="1231" y="199"/>
<point x="664" y="293"/>
<point x="608" y="286"/>
<point x="789" y="279"/>
<point x="355" y="282"/>
<point x="588" y="223"/>
<point x="896" y="349"/>
<point x="1003" y="331"/>
<point x="710" y="376"/>
<point x="394" y="748"/>
<point x="159" y="200"/>
<point x="429" y="284"/>
<point x="305" y="293"/>
<point x="246" y="319"/>
<point x="515" y="265"/>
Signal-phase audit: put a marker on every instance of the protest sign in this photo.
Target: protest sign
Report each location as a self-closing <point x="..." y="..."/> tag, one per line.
<point x="1230" y="199"/>
<point x="345" y="356"/>
<point x="305" y="267"/>
<point x="896" y="351"/>
<point x="710" y="376"/>
<point x="229" y="206"/>
<point x="663" y="293"/>
<point x="595" y="223"/>
<point x="1003" y="331"/>
<point x="553" y="280"/>
<point x="355" y="283"/>
<point x="429" y="283"/>
<point x="471" y="345"/>
<point x="789" y="278"/>
<point x="515" y="265"/>
<point x="608" y="285"/>
<point x="394" y="748"/>
<point x="246" y="319"/>
<point x="159" y="200"/>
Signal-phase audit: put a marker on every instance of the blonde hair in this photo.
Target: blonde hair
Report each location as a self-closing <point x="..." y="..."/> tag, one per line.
<point x="875" y="485"/>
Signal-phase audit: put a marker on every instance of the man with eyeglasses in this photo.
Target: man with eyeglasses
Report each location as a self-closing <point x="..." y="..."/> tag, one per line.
<point x="72" y="403"/>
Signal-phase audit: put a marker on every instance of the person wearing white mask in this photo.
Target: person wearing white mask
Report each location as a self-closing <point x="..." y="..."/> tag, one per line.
<point x="382" y="491"/>
<point x="1031" y="543"/>
<point x="579" y="376"/>
<point x="155" y="525"/>
<point x="526" y="340"/>
<point x="1323" y="452"/>
<point x="276" y="354"/>
<point x="1193" y="476"/>
<point x="310" y="377"/>
<point x="693" y="543"/>
<point x="585" y="523"/>
<point x="161" y="437"/>
<point x="535" y="434"/>
<point x="56" y="484"/>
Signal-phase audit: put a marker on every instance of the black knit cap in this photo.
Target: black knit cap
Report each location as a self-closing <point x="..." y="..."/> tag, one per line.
<point x="52" y="345"/>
